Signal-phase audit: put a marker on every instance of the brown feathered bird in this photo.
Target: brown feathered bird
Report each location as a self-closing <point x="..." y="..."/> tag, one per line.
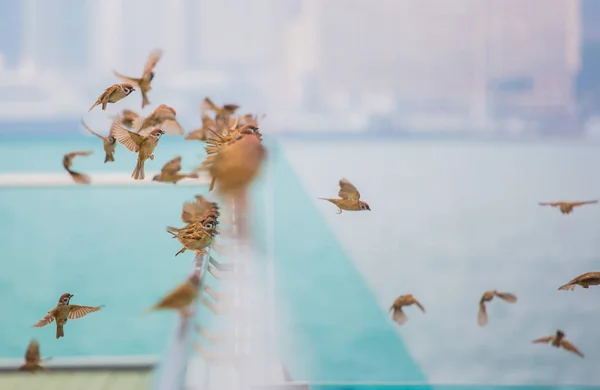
<point x="558" y="340"/>
<point x="113" y="94"/>
<point x="202" y="133"/>
<point x="109" y="143"/>
<point x="170" y="172"/>
<point x="144" y="82"/>
<point x="78" y="177"/>
<point x="201" y="218"/>
<point x="584" y="280"/>
<point x="482" y="317"/>
<point x="126" y="118"/>
<point x="164" y="118"/>
<point x="143" y="145"/>
<point x="181" y="297"/>
<point x="396" y="309"/>
<point x="349" y="198"/>
<point x="567" y="207"/>
<point x="33" y="359"/>
<point x="65" y="311"/>
<point x="222" y="113"/>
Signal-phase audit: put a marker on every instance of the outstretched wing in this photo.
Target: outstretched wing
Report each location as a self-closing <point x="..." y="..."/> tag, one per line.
<point x="419" y="305"/>
<point x="90" y="130"/>
<point x="570" y="347"/>
<point x="575" y="204"/>
<point x="153" y="59"/>
<point x="552" y="204"/>
<point x="508" y="297"/>
<point x="79" y="153"/>
<point x="78" y="311"/>
<point x="543" y="339"/>
<point x="47" y="320"/>
<point x="129" y="139"/>
<point x="172" y="166"/>
<point x="482" y="317"/>
<point x="172" y="127"/>
<point x="399" y="317"/>
<point x="348" y="191"/>
<point x="127" y="79"/>
<point x="207" y="105"/>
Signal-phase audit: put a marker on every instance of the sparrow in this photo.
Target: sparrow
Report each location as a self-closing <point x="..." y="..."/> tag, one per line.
<point x="170" y="172"/>
<point x="113" y="94"/>
<point x="143" y="145"/>
<point x="65" y="311"/>
<point x="109" y="143"/>
<point x="558" y="341"/>
<point x="350" y="198"/>
<point x="164" y="117"/>
<point x="33" y="358"/>
<point x="583" y="280"/>
<point x="78" y="177"/>
<point x="193" y="211"/>
<point x="396" y="308"/>
<point x="482" y="317"/>
<point x="202" y="133"/>
<point x="222" y="112"/>
<point x="181" y="297"/>
<point x="144" y="82"/>
<point x="197" y="235"/>
<point x="567" y="207"/>
<point x="126" y="118"/>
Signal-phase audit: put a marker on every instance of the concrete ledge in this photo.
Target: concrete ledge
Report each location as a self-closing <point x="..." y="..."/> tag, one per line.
<point x="62" y="179"/>
<point x="92" y="363"/>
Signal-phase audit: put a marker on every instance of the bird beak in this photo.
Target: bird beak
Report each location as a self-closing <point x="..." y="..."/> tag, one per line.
<point x="71" y="296"/>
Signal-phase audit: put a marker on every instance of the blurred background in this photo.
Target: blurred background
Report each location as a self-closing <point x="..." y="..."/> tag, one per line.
<point x="453" y="119"/>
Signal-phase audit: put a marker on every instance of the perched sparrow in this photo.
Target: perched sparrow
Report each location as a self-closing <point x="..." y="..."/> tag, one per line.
<point x="194" y="211"/>
<point x="558" y="341"/>
<point x="109" y="143"/>
<point x="583" y="280"/>
<point x="163" y="118"/>
<point x="199" y="234"/>
<point x="126" y="118"/>
<point x="143" y="145"/>
<point x="143" y="83"/>
<point x="33" y="358"/>
<point x="78" y="177"/>
<point x="113" y="94"/>
<point x="181" y="297"/>
<point x="567" y="207"/>
<point x="222" y="112"/>
<point x="170" y="172"/>
<point x="396" y="308"/>
<point x="482" y="317"/>
<point x="350" y="198"/>
<point x="65" y="311"/>
<point x="202" y="133"/>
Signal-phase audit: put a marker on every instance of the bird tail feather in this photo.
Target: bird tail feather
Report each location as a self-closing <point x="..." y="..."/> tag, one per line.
<point x="138" y="172"/>
<point x="109" y="157"/>
<point x="60" y="331"/>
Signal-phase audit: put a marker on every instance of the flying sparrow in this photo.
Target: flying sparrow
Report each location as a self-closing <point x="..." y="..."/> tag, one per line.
<point x="222" y="112"/>
<point x="170" y="172"/>
<point x="396" y="308"/>
<point x="482" y="317"/>
<point x="197" y="235"/>
<point x="204" y="132"/>
<point x="143" y="145"/>
<point x="558" y="341"/>
<point x="583" y="280"/>
<point x="567" y="207"/>
<point x="78" y="177"/>
<point x="33" y="358"/>
<point x="350" y="198"/>
<point x="181" y="297"/>
<point x="164" y="118"/>
<point x="113" y="94"/>
<point x="143" y="83"/>
<point x="109" y="143"/>
<point x="65" y="311"/>
<point x="194" y="211"/>
<point x="126" y="118"/>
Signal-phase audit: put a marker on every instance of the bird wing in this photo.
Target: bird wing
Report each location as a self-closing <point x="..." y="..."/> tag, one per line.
<point x="348" y="191"/>
<point x="207" y="121"/>
<point x="172" y="166"/>
<point x="176" y="298"/>
<point x="208" y="104"/>
<point x="570" y="347"/>
<point x="419" y="305"/>
<point x="575" y="204"/>
<point x="47" y="320"/>
<point x="399" y="317"/>
<point x="543" y="339"/>
<point x="508" y="297"/>
<point x="32" y="354"/>
<point x="129" y="139"/>
<point x="171" y="126"/>
<point x="482" y="317"/>
<point x="91" y="131"/>
<point x="131" y="80"/>
<point x="79" y="153"/>
<point x="194" y="210"/>
<point x="153" y="59"/>
<point x="78" y="311"/>
<point x="553" y="204"/>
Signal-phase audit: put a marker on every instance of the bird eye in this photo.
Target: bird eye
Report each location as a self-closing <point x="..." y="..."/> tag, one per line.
<point x="210" y="225"/>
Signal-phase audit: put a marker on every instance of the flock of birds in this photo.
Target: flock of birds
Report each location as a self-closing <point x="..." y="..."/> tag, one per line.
<point x="234" y="157"/>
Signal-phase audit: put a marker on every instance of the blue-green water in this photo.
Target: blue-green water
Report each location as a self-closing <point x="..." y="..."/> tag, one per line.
<point x="449" y="220"/>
